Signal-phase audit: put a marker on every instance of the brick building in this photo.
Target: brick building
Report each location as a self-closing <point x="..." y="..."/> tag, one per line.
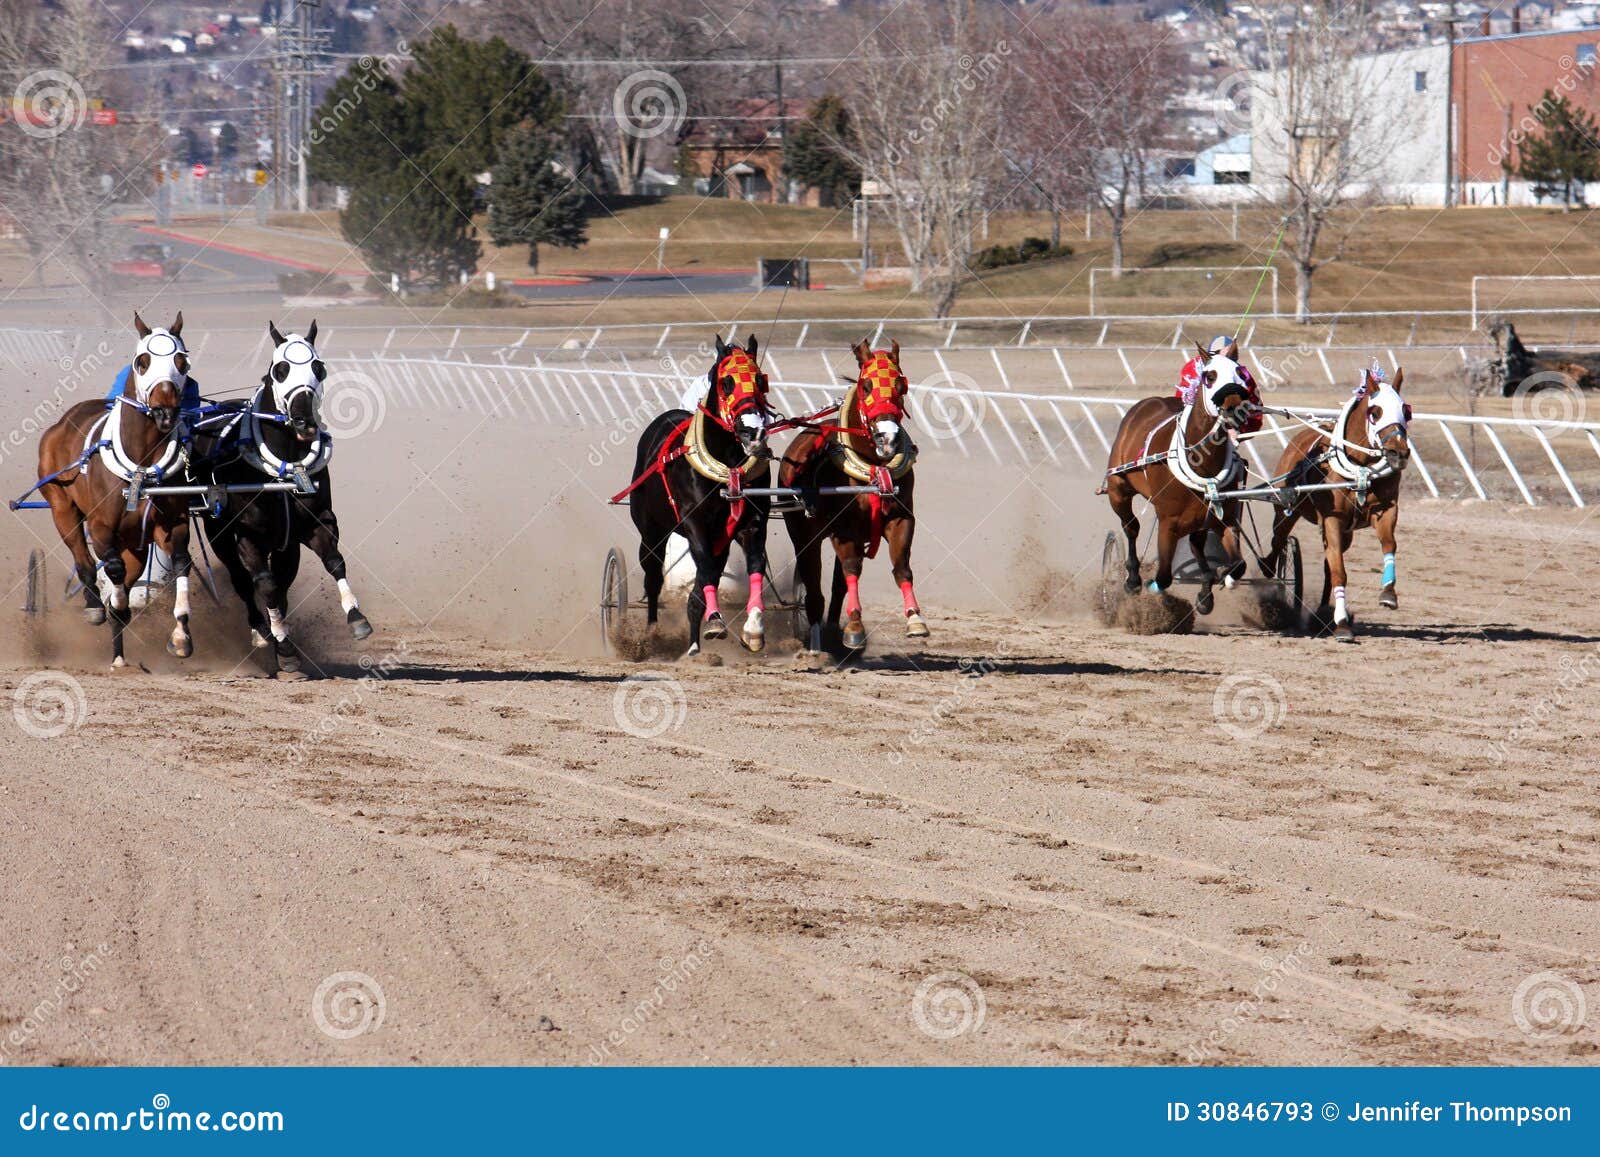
<point x="740" y="155"/>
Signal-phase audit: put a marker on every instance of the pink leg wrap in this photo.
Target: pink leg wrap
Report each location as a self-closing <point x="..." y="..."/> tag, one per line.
<point x="910" y="598"/>
<point x="755" y="594"/>
<point x="852" y="598"/>
<point x="710" y="594"/>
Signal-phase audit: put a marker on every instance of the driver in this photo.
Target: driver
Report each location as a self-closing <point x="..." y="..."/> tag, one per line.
<point x="1189" y="378"/>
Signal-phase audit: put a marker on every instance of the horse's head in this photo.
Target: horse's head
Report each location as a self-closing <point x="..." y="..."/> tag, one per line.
<point x="1387" y="418"/>
<point x="881" y="395"/>
<point x="1222" y="389"/>
<point x="160" y="371"/>
<point x="295" y="379"/>
<point x="737" y="393"/>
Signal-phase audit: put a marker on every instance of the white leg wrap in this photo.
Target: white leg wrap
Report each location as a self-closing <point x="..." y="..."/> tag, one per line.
<point x="180" y="598"/>
<point x="280" y="629"/>
<point x="347" y="596"/>
<point x="1341" y="613"/>
<point x="119" y="599"/>
<point x="108" y="589"/>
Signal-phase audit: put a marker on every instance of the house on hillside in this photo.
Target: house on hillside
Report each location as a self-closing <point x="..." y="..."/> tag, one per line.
<point x="740" y="154"/>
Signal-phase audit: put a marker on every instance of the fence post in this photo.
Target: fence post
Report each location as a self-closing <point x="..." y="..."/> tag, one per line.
<point x="1062" y="366"/>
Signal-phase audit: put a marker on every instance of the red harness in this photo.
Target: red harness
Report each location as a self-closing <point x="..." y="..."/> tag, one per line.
<point x="738" y="369"/>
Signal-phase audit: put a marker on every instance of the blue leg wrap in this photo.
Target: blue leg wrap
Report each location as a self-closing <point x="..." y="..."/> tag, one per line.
<point x="1388" y="570"/>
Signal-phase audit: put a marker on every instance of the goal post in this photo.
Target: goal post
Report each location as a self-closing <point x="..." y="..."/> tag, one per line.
<point x="1548" y="285"/>
<point x="1241" y="281"/>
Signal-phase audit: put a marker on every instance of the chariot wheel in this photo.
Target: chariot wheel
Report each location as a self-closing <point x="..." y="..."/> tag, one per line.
<point x="1113" y="572"/>
<point x="613" y="598"/>
<point x="1291" y="578"/>
<point x="34" y="595"/>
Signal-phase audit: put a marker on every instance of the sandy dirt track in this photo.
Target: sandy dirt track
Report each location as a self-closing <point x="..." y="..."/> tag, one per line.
<point x="541" y="857"/>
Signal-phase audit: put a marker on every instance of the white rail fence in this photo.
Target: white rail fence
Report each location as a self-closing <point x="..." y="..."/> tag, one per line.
<point x="24" y="346"/>
<point x="1454" y="456"/>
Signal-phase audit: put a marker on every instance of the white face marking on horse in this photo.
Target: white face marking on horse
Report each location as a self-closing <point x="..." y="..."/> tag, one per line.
<point x="161" y="349"/>
<point x="885" y="436"/>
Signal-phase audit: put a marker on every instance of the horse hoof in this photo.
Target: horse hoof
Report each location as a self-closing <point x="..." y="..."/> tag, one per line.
<point x="288" y="661"/>
<point x="714" y="628"/>
<point x="359" y="627"/>
<point x="855" y="637"/>
<point x="1344" y="633"/>
<point x="1388" y="600"/>
<point x="290" y="674"/>
<point x="181" y="647"/>
<point x="257" y="640"/>
<point x="95" y="615"/>
<point x="756" y="643"/>
<point x="915" y="627"/>
<point x="1204" y="602"/>
<point x="694" y="649"/>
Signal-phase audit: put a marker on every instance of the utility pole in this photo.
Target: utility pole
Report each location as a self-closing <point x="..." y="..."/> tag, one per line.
<point x="1450" y="108"/>
<point x="299" y="55"/>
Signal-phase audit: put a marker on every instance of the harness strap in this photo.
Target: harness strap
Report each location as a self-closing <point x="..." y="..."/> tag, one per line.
<point x="883" y="480"/>
<point x="671" y="450"/>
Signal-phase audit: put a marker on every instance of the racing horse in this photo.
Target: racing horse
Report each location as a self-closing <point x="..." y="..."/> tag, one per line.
<point x="1363" y="455"/>
<point x="99" y="450"/>
<point x="868" y="447"/>
<point x="276" y="436"/>
<point x="1179" y="455"/>
<point x="689" y="476"/>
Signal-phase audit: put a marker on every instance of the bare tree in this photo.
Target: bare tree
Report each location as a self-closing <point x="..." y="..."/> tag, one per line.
<point x="1100" y="93"/>
<point x="634" y="71"/>
<point x="61" y="174"/>
<point x="1325" y="121"/>
<point x="928" y="101"/>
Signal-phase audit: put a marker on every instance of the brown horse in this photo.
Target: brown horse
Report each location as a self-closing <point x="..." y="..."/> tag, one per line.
<point x="134" y="437"/>
<point x="1171" y="453"/>
<point x="1368" y="457"/>
<point x="869" y="447"/>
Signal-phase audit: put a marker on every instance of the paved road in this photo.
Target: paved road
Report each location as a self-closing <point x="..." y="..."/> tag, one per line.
<point x="212" y="266"/>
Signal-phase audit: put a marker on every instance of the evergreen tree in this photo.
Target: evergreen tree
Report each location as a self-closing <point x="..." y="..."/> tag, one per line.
<point x="418" y="228"/>
<point x="1564" y="154"/>
<point x="812" y="151"/>
<point x="416" y="142"/>
<point x="530" y="201"/>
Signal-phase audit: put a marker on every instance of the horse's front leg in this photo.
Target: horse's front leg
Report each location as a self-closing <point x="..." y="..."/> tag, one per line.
<point x="1166" y="548"/>
<point x="324" y="542"/>
<point x="1385" y="525"/>
<point x="112" y="580"/>
<point x="1204" y="601"/>
<point x="1230" y="544"/>
<point x="847" y="552"/>
<point x="753" y="540"/>
<point x="806" y="535"/>
<point x="174" y="540"/>
<point x="898" y="532"/>
<point x="705" y="616"/>
<point x="1335" y="537"/>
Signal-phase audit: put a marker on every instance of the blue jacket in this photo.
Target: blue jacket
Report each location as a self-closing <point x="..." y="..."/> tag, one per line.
<point x="188" y="402"/>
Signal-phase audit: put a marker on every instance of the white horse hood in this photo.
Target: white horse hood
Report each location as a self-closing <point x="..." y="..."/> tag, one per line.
<point x="162" y="348"/>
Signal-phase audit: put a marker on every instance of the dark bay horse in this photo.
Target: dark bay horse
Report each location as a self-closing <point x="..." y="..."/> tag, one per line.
<point x="1369" y="447"/>
<point x="137" y="438"/>
<point x="1170" y="452"/>
<point x="687" y="476"/>
<point x="869" y="446"/>
<point x="275" y="436"/>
